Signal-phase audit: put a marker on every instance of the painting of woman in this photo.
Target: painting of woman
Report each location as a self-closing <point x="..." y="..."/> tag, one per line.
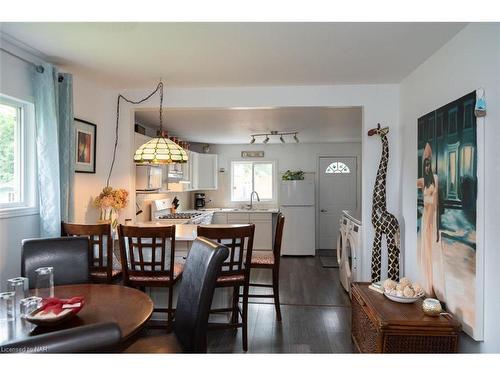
<point x="430" y="262"/>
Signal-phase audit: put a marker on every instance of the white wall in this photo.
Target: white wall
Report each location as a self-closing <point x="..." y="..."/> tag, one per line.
<point x="469" y="61"/>
<point x="380" y="103"/>
<point x="15" y="81"/>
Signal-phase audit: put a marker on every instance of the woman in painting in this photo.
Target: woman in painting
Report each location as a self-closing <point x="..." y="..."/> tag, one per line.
<point x="431" y="265"/>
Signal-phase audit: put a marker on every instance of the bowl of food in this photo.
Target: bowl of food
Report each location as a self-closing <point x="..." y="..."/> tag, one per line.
<point x="403" y="291"/>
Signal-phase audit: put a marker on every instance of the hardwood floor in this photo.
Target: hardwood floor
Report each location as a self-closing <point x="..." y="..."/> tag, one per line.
<point x="316" y="314"/>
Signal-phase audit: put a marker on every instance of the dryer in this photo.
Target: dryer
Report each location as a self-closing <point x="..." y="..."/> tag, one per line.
<point x="351" y="250"/>
<point x="342" y="236"/>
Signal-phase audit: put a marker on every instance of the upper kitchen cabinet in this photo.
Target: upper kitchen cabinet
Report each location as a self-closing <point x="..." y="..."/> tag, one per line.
<point x="203" y="168"/>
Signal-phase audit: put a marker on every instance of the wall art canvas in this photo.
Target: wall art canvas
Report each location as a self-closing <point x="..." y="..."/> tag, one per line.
<point x="447" y="211"/>
<point x="85" y="133"/>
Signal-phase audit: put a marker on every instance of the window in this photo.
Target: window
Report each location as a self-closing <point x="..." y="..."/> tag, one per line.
<point x="16" y="151"/>
<point x="247" y="176"/>
<point x="337" y="167"/>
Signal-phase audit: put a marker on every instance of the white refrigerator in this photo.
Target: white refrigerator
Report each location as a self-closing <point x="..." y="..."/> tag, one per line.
<point x="297" y="205"/>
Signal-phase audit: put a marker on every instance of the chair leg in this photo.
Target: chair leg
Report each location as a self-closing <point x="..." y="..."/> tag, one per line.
<point x="234" y="315"/>
<point x="276" y="292"/>
<point x="170" y="303"/>
<point x="244" y="318"/>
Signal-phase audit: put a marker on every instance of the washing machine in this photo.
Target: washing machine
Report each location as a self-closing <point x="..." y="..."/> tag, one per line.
<point x="342" y="236"/>
<point x="351" y="251"/>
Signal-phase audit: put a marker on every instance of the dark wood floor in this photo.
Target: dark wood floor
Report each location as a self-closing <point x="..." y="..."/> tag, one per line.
<point x="316" y="314"/>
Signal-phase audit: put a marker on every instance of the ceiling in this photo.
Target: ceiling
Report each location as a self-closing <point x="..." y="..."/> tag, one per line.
<point x="234" y="126"/>
<point x="136" y="55"/>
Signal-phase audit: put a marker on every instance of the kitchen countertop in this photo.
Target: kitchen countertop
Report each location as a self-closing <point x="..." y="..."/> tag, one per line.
<point x="256" y="210"/>
<point x="184" y="232"/>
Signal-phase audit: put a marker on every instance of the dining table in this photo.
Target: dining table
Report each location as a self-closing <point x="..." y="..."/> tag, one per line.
<point x="129" y="308"/>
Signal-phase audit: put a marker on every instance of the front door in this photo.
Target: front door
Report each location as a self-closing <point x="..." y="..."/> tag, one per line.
<point x="337" y="192"/>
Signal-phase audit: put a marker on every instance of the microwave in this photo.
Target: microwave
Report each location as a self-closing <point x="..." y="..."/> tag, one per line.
<point x="148" y="178"/>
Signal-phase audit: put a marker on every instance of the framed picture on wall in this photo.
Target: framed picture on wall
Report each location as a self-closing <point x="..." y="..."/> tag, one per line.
<point x="85" y="146"/>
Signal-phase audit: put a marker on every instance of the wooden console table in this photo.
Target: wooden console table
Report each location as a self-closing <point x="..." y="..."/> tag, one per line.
<point x="380" y="325"/>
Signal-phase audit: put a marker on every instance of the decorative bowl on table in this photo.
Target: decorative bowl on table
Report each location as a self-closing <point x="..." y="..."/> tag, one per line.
<point x="403" y="291"/>
<point x="403" y="299"/>
<point x="55" y="311"/>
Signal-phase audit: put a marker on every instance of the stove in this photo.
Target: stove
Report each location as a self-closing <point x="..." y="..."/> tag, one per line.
<point x="180" y="216"/>
<point x="161" y="212"/>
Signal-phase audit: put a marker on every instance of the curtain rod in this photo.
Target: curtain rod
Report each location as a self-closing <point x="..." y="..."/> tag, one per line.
<point x="38" y="68"/>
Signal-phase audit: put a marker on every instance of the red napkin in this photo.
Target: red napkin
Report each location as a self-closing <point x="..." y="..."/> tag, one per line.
<point x="57" y="305"/>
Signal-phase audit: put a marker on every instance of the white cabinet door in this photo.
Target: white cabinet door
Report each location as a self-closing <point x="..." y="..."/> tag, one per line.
<point x="206" y="169"/>
<point x="219" y="218"/>
<point x="238" y="218"/>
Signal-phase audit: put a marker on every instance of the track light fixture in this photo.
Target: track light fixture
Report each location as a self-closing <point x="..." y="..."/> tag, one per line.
<point x="274" y="133"/>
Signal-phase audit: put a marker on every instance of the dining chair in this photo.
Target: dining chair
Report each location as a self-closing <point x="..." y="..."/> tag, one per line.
<point x="92" y="338"/>
<point x="68" y="256"/>
<point x="235" y="271"/>
<point x="271" y="260"/>
<point x="196" y="292"/>
<point x="100" y="250"/>
<point x="148" y="260"/>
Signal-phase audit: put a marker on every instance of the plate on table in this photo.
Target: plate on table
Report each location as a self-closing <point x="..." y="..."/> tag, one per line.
<point x="55" y="311"/>
<point x="403" y="299"/>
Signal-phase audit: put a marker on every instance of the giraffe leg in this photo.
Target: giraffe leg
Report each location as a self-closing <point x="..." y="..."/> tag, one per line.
<point x="393" y="257"/>
<point x="377" y="256"/>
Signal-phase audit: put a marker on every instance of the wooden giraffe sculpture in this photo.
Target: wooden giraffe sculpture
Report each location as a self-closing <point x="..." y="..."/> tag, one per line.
<point x="383" y="221"/>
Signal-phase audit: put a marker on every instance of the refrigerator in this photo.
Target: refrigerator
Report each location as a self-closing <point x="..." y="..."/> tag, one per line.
<point x="297" y="204"/>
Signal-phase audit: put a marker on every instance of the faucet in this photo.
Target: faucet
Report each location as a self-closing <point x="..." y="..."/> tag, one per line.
<point x="251" y="198"/>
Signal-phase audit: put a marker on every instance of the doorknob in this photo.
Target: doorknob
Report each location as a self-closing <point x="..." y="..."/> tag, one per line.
<point x="323" y="210"/>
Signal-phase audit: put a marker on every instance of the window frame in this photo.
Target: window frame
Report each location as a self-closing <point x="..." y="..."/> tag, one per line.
<point x="274" y="164"/>
<point x="28" y="203"/>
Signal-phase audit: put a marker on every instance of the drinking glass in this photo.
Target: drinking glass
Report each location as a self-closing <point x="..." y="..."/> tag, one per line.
<point x="7" y="306"/>
<point x="20" y="286"/>
<point x="44" y="282"/>
<point x="28" y="305"/>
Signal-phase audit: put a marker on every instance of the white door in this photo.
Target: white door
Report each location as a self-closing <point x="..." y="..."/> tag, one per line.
<point x="337" y="192"/>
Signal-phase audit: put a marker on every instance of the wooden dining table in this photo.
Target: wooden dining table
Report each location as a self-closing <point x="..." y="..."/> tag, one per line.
<point x="129" y="308"/>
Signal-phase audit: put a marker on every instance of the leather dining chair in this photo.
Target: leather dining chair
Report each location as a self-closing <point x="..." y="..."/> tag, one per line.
<point x="271" y="261"/>
<point x="100" y="249"/>
<point x="68" y="256"/>
<point x="92" y="338"/>
<point x="196" y="292"/>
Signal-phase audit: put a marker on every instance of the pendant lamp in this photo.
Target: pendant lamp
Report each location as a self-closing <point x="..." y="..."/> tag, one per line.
<point x="161" y="149"/>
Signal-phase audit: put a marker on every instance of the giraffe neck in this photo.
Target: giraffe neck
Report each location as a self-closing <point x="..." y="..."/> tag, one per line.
<point x="379" y="192"/>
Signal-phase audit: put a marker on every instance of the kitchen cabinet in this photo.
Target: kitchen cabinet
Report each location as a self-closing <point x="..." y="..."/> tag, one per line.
<point x="202" y="171"/>
<point x="263" y="237"/>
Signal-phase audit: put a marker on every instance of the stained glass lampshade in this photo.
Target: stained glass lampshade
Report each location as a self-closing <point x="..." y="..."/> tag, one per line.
<point x="160" y="150"/>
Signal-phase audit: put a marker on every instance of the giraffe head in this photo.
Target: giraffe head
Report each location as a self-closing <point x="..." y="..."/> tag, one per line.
<point x="378" y="130"/>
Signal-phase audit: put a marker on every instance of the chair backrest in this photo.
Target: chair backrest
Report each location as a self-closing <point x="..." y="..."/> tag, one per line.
<point x="147" y="251"/>
<point x="100" y="244"/>
<point x="278" y="237"/>
<point x="68" y="256"/>
<point x="196" y="292"/>
<point x="234" y="237"/>
<point x="92" y="338"/>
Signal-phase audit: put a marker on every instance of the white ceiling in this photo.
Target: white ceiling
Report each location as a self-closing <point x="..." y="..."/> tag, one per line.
<point x="136" y="55"/>
<point x="234" y="126"/>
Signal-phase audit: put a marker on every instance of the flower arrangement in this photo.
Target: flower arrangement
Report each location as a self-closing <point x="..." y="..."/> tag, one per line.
<point x="111" y="201"/>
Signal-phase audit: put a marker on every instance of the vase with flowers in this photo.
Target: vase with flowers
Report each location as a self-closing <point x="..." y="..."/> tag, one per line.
<point x="111" y="201"/>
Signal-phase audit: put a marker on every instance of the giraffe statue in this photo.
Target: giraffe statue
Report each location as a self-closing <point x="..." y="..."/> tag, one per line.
<point x="383" y="221"/>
